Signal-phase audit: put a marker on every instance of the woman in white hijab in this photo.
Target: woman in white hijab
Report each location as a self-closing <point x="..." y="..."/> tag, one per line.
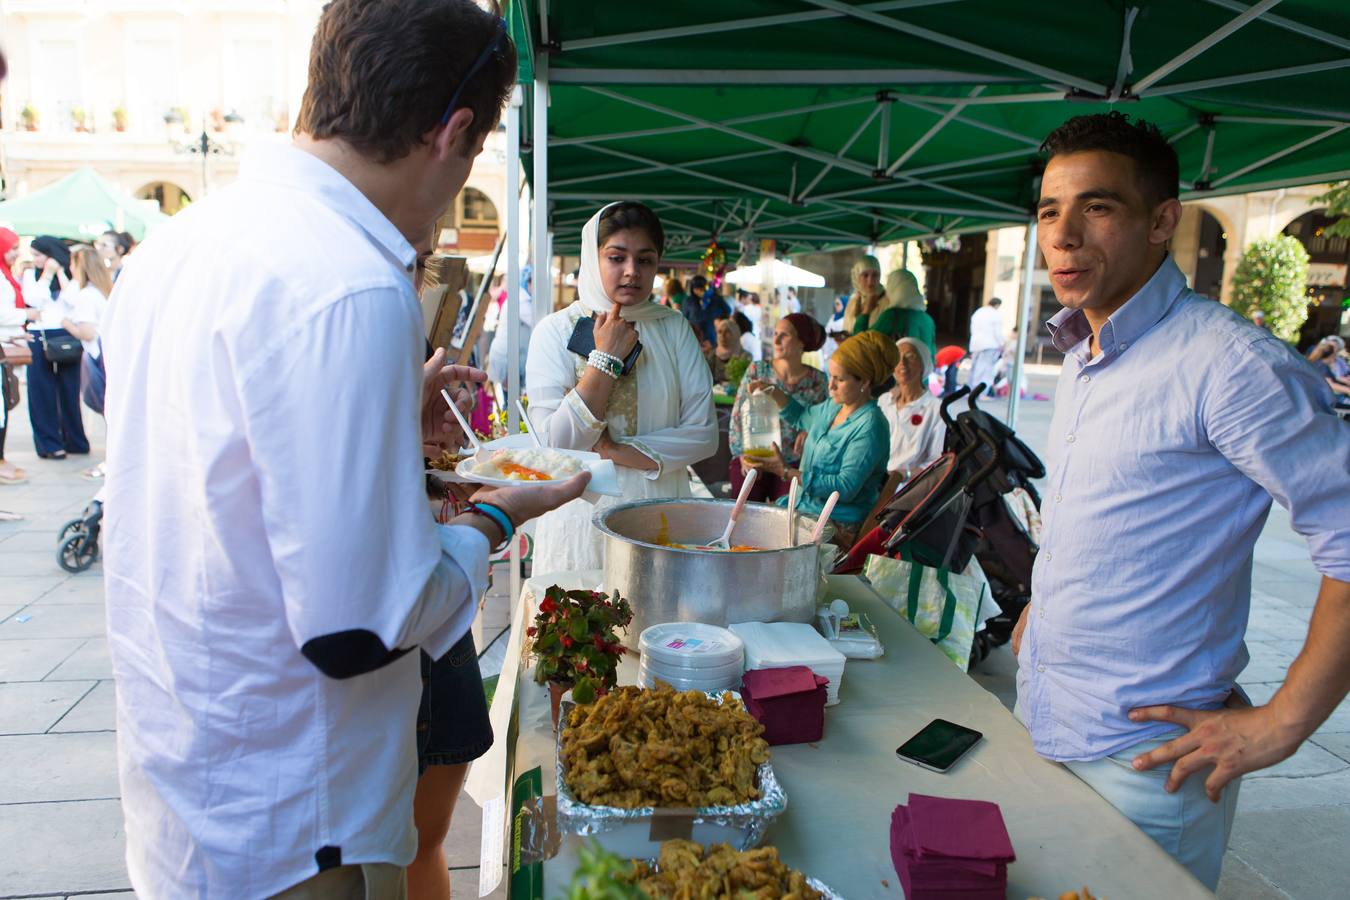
<point x="653" y="416"/>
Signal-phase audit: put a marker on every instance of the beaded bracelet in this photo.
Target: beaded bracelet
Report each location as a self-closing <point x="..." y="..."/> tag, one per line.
<point x="605" y="363"/>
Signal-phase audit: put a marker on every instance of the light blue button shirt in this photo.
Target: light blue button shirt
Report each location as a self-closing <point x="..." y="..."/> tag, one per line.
<point x="1164" y="452"/>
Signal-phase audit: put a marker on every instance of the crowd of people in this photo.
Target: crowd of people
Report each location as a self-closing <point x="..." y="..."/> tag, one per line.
<point x="51" y="304"/>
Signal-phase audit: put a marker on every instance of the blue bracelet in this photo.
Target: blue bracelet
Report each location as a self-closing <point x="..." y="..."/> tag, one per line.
<point x="497" y="515"/>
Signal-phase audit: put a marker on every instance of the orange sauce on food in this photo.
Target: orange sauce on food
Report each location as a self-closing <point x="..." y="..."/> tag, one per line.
<point x="525" y="473"/>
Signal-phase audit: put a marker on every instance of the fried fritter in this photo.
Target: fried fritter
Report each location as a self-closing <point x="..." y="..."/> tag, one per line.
<point x="633" y="748"/>
<point x="686" y="871"/>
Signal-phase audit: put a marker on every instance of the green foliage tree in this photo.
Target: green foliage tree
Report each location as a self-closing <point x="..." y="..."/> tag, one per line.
<point x="1273" y="277"/>
<point x="1337" y="202"/>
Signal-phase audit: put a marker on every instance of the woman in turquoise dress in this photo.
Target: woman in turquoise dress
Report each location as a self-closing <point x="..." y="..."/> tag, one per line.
<point x="848" y="439"/>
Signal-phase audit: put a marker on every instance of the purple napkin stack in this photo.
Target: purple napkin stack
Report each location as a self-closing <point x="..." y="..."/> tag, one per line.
<point x="946" y="849"/>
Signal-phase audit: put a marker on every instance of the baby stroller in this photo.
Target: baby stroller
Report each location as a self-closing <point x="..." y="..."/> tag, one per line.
<point x="77" y="545"/>
<point x="955" y="510"/>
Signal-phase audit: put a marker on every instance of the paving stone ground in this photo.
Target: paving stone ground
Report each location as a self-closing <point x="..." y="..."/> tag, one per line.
<point x="61" y="825"/>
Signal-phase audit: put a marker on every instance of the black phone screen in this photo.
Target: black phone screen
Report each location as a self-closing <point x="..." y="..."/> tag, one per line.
<point x="939" y="745"/>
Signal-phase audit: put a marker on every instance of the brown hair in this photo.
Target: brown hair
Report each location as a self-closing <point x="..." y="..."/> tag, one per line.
<point x="382" y="72"/>
<point x="88" y="268"/>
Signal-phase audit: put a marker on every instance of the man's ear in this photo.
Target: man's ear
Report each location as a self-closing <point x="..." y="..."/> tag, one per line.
<point x="1163" y="225"/>
<point x="447" y="138"/>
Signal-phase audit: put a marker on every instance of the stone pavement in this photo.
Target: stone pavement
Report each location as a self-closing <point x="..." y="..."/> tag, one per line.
<point x="61" y="826"/>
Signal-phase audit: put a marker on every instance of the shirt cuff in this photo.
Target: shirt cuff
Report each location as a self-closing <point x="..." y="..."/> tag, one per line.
<point x="467" y="550"/>
<point x="583" y="413"/>
<point x="648" y="452"/>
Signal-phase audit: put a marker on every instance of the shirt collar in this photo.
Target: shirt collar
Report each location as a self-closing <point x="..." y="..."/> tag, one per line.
<point x="1069" y="327"/>
<point x="289" y="166"/>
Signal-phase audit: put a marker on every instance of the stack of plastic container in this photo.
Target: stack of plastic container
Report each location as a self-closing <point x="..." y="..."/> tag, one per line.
<point x="690" y="656"/>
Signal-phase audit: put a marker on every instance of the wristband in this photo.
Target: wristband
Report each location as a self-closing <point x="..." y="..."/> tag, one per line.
<point x="502" y="520"/>
<point x="605" y="363"/>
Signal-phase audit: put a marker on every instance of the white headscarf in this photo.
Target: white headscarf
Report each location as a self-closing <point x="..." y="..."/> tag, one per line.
<point x="592" y="288"/>
<point x="925" y="356"/>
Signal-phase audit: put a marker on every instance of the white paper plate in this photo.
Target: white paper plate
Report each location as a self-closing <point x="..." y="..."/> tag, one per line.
<point x="604" y="477"/>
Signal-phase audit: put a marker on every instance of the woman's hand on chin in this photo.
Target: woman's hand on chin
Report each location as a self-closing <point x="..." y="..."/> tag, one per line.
<point x="613" y="335"/>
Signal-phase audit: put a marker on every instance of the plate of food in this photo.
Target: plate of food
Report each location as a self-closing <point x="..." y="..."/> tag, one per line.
<point x="639" y="765"/>
<point x="516" y="467"/>
<point x="689" y="869"/>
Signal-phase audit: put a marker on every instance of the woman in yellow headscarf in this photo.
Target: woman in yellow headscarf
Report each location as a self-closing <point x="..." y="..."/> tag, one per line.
<point x="848" y="440"/>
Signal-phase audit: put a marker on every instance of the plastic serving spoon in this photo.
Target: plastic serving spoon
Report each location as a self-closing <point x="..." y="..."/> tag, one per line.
<point x="793" y="491"/>
<point x="824" y="517"/>
<point x="459" y="416"/>
<point x="724" y="542"/>
<point x="525" y="420"/>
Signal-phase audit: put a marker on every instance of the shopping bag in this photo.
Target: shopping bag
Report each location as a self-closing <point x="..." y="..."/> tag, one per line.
<point x="944" y="606"/>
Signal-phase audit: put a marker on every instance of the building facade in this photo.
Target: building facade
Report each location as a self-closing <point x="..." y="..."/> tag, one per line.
<point x="137" y="89"/>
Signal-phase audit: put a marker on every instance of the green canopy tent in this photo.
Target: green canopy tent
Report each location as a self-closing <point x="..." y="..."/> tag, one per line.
<point x="80" y="207"/>
<point x="824" y="123"/>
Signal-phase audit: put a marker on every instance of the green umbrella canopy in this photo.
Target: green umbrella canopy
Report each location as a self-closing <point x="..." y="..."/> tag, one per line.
<point x="826" y="123"/>
<point x="80" y="207"/>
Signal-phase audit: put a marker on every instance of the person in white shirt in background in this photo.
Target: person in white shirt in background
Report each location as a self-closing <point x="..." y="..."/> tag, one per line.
<point x="917" y="429"/>
<point x="113" y="247"/>
<point x="986" y="343"/>
<point x="92" y="282"/>
<point x="792" y="304"/>
<point x="270" y="556"/>
<point x="750" y="341"/>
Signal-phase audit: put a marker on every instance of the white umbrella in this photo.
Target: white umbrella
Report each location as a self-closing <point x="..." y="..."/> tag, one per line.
<point x="779" y="274"/>
<point x="478" y="265"/>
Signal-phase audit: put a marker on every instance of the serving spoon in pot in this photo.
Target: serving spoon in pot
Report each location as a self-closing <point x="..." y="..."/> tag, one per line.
<point x="724" y="542"/>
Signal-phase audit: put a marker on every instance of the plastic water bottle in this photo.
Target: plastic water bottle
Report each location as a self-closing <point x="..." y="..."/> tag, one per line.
<point x="759" y="426"/>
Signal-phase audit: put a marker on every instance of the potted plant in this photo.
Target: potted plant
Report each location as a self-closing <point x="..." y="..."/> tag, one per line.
<point x="574" y="645"/>
<point x="1273" y="277"/>
<point x="29" y="117"/>
<point x="119" y="116"/>
<point x="79" y="117"/>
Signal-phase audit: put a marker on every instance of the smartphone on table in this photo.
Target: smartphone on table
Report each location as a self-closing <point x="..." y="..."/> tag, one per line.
<point x="939" y="745"/>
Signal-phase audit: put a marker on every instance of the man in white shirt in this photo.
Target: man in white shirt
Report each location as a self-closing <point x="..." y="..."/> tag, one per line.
<point x="270" y="555"/>
<point x="986" y="342"/>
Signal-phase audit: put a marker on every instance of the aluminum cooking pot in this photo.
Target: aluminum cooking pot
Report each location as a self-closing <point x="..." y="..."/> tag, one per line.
<point x="672" y="584"/>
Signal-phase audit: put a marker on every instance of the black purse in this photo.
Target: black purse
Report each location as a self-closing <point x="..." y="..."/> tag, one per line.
<point x="61" y="351"/>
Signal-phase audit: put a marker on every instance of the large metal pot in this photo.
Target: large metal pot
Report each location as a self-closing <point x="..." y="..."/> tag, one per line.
<point x="672" y="584"/>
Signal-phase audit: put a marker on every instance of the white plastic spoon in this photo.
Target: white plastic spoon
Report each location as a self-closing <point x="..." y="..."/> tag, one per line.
<point x="459" y="416"/>
<point x="525" y="420"/>
<point x="724" y="542"/>
<point x="824" y="517"/>
<point x="793" y="491"/>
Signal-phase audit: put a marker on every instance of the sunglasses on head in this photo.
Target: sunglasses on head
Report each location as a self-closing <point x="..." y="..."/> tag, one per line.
<point x="498" y="36"/>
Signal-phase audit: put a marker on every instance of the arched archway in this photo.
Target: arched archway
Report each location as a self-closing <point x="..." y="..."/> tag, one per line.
<point x="1328" y="265"/>
<point x="479" y="210"/>
<point x="170" y="197"/>
<point x="1209" y="255"/>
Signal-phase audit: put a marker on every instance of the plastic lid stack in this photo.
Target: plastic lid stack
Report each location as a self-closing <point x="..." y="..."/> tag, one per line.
<point x="691" y="656"/>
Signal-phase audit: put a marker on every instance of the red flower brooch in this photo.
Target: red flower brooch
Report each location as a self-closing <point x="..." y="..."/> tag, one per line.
<point x="916" y="420"/>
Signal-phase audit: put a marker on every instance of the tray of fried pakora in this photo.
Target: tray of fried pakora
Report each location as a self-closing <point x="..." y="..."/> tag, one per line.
<point x="641" y="765"/>
<point x="685" y="870"/>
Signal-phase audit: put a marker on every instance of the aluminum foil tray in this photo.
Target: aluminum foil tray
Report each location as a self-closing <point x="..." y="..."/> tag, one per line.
<point x="638" y="833"/>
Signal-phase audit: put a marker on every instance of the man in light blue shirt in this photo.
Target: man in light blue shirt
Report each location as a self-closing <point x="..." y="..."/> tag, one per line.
<point x="1175" y="423"/>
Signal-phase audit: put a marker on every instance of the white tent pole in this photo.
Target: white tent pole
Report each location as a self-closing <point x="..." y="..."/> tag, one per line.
<point x="513" y="288"/>
<point x="1023" y="322"/>
<point x="658" y="34"/>
<point x="1219" y="182"/>
<point x="806" y="192"/>
<point x="1152" y="78"/>
<point x="1296" y="27"/>
<point x="543" y="266"/>
<point x="1190" y="87"/>
<point x="931" y="132"/>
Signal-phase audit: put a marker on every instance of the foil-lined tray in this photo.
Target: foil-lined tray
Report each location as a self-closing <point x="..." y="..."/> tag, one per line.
<point x="638" y="833"/>
<point x="824" y="889"/>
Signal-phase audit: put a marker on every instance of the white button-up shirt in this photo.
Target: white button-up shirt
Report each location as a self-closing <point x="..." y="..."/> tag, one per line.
<point x="270" y="554"/>
<point x="986" y="329"/>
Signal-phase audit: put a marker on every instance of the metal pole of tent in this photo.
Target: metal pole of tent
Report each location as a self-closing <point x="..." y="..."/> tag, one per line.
<point x="543" y="264"/>
<point x="1023" y="320"/>
<point x="513" y="289"/>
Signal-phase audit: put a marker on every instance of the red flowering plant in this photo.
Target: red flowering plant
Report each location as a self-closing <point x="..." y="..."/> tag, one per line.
<point x="573" y="640"/>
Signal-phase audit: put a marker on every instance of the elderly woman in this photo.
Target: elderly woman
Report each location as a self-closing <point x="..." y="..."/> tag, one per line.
<point x="792" y="336"/>
<point x="868" y="299"/>
<point x="728" y="348"/>
<point x="917" y="429"/>
<point x="652" y="415"/>
<point x="847" y="439"/>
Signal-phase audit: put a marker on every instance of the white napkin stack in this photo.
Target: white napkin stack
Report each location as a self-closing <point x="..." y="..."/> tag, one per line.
<point x="776" y="645"/>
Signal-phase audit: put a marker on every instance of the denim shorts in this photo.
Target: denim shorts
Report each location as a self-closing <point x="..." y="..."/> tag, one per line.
<point x="452" y="721"/>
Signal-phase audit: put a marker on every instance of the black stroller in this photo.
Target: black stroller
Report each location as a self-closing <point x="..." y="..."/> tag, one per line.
<point x="77" y="545"/>
<point x="955" y="509"/>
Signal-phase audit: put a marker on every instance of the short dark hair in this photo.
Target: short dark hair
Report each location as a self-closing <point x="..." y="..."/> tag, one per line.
<point x="1155" y="160"/>
<point x="698" y="283"/>
<point x="742" y="322"/>
<point x="382" y="72"/>
<point x="632" y="215"/>
<point x="121" y="240"/>
<point x="995" y="301"/>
